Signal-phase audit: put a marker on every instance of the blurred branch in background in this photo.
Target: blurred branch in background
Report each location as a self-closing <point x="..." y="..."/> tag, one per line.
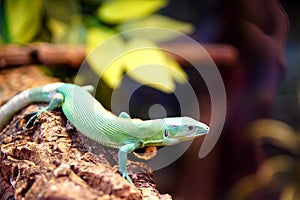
<point x="73" y="56"/>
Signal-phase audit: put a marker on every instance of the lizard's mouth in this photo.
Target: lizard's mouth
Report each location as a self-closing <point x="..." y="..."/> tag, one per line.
<point x="191" y="136"/>
<point x="197" y="133"/>
<point x="203" y="131"/>
<point x="200" y="132"/>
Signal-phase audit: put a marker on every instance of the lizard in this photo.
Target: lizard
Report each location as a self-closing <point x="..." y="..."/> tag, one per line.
<point x="90" y="118"/>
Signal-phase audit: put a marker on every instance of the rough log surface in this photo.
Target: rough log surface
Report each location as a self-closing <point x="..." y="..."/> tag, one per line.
<point x="50" y="160"/>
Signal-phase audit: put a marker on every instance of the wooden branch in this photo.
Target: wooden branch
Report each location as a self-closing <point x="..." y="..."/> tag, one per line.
<point x="73" y="56"/>
<point x="224" y="55"/>
<point x="41" y="53"/>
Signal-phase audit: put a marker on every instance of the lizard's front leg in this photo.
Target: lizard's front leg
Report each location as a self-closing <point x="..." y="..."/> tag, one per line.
<point x="122" y="158"/>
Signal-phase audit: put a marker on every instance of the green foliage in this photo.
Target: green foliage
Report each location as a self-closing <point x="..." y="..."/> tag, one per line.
<point x="62" y="10"/>
<point x="141" y="59"/>
<point x="158" y="21"/>
<point x="65" y="27"/>
<point x="98" y="28"/>
<point x="119" y="11"/>
<point x="23" y="19"/>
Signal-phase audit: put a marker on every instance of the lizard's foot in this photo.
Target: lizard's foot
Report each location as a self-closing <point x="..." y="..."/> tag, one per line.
<point x="126" y="176"/>
<point x="55" y="102"/>
<point x="34" y="116"/>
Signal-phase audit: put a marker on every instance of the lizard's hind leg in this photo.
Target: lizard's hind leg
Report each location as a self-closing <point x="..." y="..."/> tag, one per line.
<point x="56" y="102"/>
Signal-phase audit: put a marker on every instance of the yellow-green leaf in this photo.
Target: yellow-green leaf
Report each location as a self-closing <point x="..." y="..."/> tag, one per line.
<point x="158" y="21"/>
<point x="76" y="32"/>
<point x="141" y="59"/>
<point x="149" y="65"/>
<point x="96" y="36"/>
<point x="277" y="132"/>
<point x="289" y="192"/>
<point x="266" y="173"/>
<point x="104" y="49"/>
<point x="24" y="19"/>
<point x="175" y="69"/>
<point x="118" y="11"/>
<point x="58" y="29"/>
<point x="62" y="10"/>
<point x="69" y="33"/>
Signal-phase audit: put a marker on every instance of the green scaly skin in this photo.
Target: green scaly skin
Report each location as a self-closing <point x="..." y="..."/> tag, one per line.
<point x="91" y="119"/>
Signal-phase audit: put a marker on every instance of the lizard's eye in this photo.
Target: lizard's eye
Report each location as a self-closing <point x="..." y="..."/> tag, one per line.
<point x="191" y="128"/>
<point x="166" y="133"/>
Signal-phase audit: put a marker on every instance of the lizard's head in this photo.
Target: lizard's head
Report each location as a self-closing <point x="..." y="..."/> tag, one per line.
<point x="178" y="129"/>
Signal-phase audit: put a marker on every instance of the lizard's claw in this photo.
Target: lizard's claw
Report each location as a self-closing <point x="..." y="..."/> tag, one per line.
<point x="33" y="118"/>
<point x="126" y="176"/>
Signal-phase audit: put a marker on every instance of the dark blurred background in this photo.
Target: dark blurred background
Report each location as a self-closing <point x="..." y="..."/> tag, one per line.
<point x="264" y="83"/>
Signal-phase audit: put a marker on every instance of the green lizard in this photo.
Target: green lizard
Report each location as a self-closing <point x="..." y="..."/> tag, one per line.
<point x="91" y="119"/>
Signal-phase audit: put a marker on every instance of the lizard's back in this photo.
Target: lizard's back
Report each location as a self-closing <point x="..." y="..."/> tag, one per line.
<point x="91" y="118"/>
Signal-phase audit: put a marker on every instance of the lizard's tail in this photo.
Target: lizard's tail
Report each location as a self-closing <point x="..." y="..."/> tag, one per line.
<point x="13" y="106"/>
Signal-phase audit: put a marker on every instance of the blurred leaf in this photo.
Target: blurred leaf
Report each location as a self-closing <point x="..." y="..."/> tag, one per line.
<point x="290" y="192"/>
<point x="158" y="21"/>
<point x="119" y="11"/>
<point x="62" y="10"/>
<point x="97" y="36"/>
<point x="244" y="188"/>
<point x="4" y="35"/>
<point x="65" y="21"/>
<point x="279" y="134"/>
<point x="264" y="176"/>
<point x="273" y="166"/>
<point x="103" y="54"/>
<point x="175" y="70"/>
<point x="70" y="33"/>
<point x="76" y="33"/>
<point x="147" y="64"/>
<point x="58" y="29"/>
<point x="23" y="19"/>
<point x="280" y="172"/>
<point x="141" y="59"/>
